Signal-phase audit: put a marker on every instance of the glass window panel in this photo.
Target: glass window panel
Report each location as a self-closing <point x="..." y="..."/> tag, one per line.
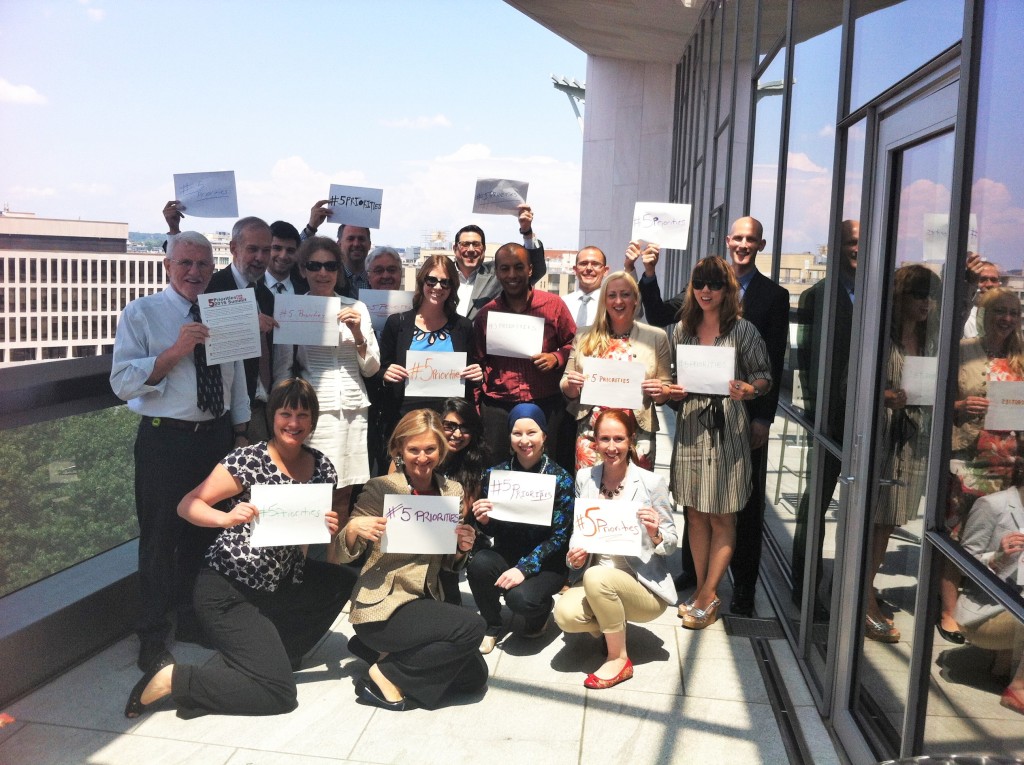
<point x="740" y="123"/>
<point x="765" y="171"/>
<point x="66" y="493"/>
<point x="772" y="27"/>
<point x="892" y="39"/>
<point x="728" y="16"/>
<point x="807" y="202"/>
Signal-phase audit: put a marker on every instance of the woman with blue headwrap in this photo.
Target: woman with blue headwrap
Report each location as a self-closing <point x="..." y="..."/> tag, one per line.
<point x="526" y="564"/>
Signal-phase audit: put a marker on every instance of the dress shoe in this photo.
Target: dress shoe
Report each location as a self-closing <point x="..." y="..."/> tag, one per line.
<point x="742" y="600"/>
<point x="368" y="691"/>
<point x="1012" y="699"/>
<point x="487" y="644"/>
<point x="135" y="707"/>
<point x="880" y="630"/>
<point x="699" y="618"/>
<point x="596" y="683"/>
<point x="150" y="650"/>
<point x="951" y="636"/>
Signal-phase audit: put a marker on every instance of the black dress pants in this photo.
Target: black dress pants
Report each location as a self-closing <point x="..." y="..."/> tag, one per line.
<point x="433" y="647"/>
<point x="533" y="599"/>
<point x="258" y="635"/>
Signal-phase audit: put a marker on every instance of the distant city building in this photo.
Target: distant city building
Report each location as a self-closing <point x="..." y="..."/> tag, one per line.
<point x="63" y="284"/>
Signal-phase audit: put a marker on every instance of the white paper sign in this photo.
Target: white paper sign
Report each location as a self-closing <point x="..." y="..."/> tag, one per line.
<point x="664" y="223"/>
<point x="420" y="525"/>
<point x="355" y="205"/>
<point x="207" y="195"/>
<point x="613" y="384"/>
<point x="918" y="380"/>
<point x="306" y="319"/>
<point x="1005" y="406"/>
<point x="607" y="526"/>
<point x="497" y="196"/>
<point x="521" y="497"/>
<point x="233" y="321"/>
<point x="936" y="235"/>
<point x="705" y="368"/>
<point x="435" y="374"/>
<point x="291" y="514"/>
<point x="383" y="303"/>
<point x="515" y="335"/>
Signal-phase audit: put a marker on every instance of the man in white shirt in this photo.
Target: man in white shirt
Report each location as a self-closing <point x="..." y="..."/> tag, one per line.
<point x="988" y="277"/>
<point x="478" y="284"/>
<point x="189" y="410"/>
<point x="590" y="269"/>
<point x="282" y="276"/>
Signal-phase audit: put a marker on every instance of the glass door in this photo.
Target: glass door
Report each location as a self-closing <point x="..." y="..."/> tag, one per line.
<point x="901" y="269"/>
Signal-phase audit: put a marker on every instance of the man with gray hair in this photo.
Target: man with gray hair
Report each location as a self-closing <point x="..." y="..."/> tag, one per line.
<point x="384" y="269"/>
<point x="191" y="412"/>
<point x="250" y="246"/>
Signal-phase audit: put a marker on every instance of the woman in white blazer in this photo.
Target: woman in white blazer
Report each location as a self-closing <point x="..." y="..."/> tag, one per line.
<point x="994" y="534"/>
<point x="614" y="589"/>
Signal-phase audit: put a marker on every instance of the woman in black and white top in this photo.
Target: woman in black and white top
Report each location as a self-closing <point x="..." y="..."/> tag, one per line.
<point x="261" y="608"/>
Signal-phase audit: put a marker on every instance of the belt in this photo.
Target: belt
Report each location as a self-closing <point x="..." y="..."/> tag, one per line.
<point x="203" y="426"/>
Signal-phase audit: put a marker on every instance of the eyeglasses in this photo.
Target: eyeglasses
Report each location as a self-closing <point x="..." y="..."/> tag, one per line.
<point x="450" y="427"/>
<point x="715" y="286"/>
<point x="589" y="264"/>
<point x="470" y="245"/>
<point x="315" y="265"/>
<point x="384" y="270"/>
<point x="433" y="281"/>
<point x="186" y="265"/>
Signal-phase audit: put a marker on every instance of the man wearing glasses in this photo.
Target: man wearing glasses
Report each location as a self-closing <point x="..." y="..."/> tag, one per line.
<point x="189" y="410"/>
<point x="766" y="306"/>
<point x="590" y="269"/>
<point x="384" y="269"/>
<point x="478" y="284"/>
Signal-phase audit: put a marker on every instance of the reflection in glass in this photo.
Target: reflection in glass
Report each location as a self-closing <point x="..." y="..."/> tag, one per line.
<point x="764" y="181"/>
<point x="771" y="28"/>
<point x="892" y="39"/>
<point x="903" y="435"/>
<point x="66" y="493"/>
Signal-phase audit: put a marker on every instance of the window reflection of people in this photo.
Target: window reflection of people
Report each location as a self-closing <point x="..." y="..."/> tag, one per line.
<point x="993" y="535"/>
<point x="615" y="334"/>
<point x="615" y="589"/>
<point x="988" y="278"/>
<point x="262" y="608"/>
<point x="906" y="428"/>
<point x="809" y="336"/>
<point x="712" y="470"/>
<point x="983" y="461"/>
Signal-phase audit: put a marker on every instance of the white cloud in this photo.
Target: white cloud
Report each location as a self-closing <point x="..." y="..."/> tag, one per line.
<point x="29" y="192"/>
<point x="800" y="161"/>
<point x="418" y="123"/>
<point x="92" y="189"/>
<point x="96" y="14"/>
<point x="827" y="131"/>
<point x="19" y="94"/>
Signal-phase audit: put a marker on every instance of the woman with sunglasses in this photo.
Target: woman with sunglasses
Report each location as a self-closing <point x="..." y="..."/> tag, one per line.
<point x="711" y="470"/>
<point x="433" y="325"/>
<point x="906" y="429"/>
<point x="335" y="371"/>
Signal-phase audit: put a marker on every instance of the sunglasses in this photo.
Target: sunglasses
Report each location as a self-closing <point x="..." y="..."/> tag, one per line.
<point x="920" y="294"/>
<point x="715" y="286"/>
<point x="316" y="265"/>
<point x="433" y="281"/>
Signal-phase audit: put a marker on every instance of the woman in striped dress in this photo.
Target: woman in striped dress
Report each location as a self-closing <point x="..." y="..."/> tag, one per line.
<point x="711" y="469"/>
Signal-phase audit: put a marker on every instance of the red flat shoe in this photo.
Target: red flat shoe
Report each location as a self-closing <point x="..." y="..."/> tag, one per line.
<point x="1012" y="699"/>
<point x="596" y="683"/>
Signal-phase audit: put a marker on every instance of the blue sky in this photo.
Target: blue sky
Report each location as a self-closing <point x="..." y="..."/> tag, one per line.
<point x="102" y="101"/>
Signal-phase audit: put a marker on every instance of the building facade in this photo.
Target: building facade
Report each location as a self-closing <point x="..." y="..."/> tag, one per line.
<point x="878" y="143"/>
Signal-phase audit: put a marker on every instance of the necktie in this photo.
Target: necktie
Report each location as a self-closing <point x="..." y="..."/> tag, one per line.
<point x="279" y="287"/>
<point x="209" y="386"/>
<point x="581" y="314"/>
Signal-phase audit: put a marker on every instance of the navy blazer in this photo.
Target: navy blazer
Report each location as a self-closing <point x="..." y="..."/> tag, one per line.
<point x="224" y="281"/>
<point x="395" y="339"/>
<point x="765" y="305"/>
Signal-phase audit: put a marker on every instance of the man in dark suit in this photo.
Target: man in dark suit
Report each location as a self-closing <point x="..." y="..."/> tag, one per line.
<point x="478" y="283"/>
<point x="282" y="269"/>
<point x="250" y="247"/>
<point x="766" y="306"/>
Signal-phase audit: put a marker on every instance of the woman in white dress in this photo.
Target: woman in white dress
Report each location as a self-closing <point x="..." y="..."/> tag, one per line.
<point x="335" y="371"/>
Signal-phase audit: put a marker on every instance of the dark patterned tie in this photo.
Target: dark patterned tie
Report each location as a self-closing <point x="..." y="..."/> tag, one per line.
<point x="209" y="386"/>
<point x="279" y="287"/>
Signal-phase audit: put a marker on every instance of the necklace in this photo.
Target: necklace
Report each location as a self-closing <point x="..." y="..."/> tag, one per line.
<point x="610" y="494"/>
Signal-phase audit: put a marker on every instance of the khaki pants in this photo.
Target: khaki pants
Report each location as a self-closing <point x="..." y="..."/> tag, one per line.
<point x="605" y="600"/>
